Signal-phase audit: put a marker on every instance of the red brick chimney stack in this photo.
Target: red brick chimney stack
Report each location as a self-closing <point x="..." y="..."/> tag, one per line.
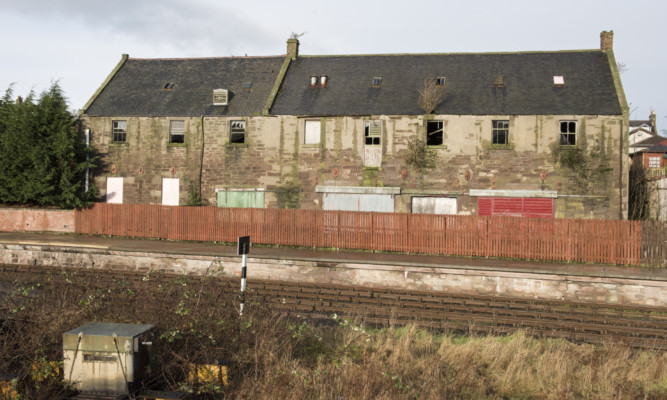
<point x="607" y="40"/>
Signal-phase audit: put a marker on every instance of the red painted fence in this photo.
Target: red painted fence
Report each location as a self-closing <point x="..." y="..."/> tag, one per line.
<point x="596" y="241"/>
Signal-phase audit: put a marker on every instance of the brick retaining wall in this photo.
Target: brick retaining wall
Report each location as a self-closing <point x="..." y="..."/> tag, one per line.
<point x="36" y="220"/>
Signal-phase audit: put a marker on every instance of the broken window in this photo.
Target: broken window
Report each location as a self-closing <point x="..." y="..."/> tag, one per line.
<point x="440" y="81"/>
<point x="118" y="131"/>
<point x="373" y="132"/>
<point x="568" y="133"/>
<point x="177" y="131"/>
<point x="500" y="132"/>
<point x="377" y="81"/>
<point x="434" y="133"/>
<point x="169" y="85"/>
<point x="237" y="132"/>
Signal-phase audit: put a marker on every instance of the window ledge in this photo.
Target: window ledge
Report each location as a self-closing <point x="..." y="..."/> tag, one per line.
<point x="438" y="146"/>
<point x="118" y="144"/>
<point x="509" y="146"/>
<point x="311" y="145"/>
<point x="237" y="145"/>
<point x="177" y="145"/>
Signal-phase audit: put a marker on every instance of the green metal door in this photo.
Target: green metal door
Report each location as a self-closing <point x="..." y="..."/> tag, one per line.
<point x="240" y="199"/>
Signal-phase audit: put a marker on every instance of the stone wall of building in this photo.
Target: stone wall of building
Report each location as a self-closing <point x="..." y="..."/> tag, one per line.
<point x="588" y="177"/>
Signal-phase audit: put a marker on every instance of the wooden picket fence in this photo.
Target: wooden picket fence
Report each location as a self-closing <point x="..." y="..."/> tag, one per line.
<point x="570" y="240"/>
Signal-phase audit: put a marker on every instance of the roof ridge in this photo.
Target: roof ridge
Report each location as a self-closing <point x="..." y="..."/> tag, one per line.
<point x="201" y="58"/>
<point x="455" y="53"/>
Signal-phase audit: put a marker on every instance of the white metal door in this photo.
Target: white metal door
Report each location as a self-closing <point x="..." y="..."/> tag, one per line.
<point x="170" y="194"/>
<point x="114" y="190"/>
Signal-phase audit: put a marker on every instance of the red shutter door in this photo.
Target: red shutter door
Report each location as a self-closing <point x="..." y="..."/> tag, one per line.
<point x="516" y="207"/>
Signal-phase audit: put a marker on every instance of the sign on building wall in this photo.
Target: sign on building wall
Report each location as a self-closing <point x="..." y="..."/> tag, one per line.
<point x="372" y="156"/>
<point x="114" y="190"/>
<point x="170" y="192"/>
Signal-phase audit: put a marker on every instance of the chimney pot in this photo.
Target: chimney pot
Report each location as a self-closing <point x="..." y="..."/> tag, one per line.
<point x="323" y="80"/>
<point x="607" y="40"/>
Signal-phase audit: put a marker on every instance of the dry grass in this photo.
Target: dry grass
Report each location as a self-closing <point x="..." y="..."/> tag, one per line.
<point x="272" y="356"/>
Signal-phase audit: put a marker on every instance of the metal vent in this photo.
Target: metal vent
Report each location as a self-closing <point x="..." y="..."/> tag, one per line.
<point x="220" y="97"/>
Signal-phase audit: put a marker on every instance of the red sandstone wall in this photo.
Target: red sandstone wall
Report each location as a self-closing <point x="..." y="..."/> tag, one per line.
<point x="36" y="220"/>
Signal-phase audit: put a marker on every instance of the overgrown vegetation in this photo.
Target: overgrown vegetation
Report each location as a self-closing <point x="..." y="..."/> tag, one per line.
<point x="420" y="158"/>
<point x="43" y="158"/>
<point x="588" y="169"/>
<point x="289" y="194"/>
<point x="271" y="356"/>
<point x="430" y="95"/>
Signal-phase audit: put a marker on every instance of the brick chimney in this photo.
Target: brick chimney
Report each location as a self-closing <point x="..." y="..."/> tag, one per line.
<point x="607" y="40"/>
<point x="652" y="121"/>
<point x="292" y="48"/>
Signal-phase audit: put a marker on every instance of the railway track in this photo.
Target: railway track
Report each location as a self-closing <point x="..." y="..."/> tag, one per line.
<point x="635" y="326"/>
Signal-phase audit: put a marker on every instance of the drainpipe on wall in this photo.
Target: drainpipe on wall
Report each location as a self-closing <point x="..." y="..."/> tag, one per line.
<point x="201" y="161"/>
<point x="87" y="157"/>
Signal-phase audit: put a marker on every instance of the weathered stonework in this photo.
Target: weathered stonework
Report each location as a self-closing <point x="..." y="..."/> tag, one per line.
<point x="274" y="152"/>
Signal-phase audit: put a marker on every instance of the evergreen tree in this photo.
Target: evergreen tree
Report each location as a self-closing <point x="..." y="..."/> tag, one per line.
<point x="43" y="158"/>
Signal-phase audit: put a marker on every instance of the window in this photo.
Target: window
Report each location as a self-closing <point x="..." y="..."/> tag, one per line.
<point x="568" y="133"/>
<point x="373" y="132"/>
<point x="654" y="162"/>
<point x="440" y="81"/>
<point x="377" y="81"/>
<point x="312" y="135"/>
<point x="499" y="81"/>
<point x="169" y="85"/>
<point x="247" y="85"/>
<point x="220" y="97"/>
<point x="559" y="80"/>
<point x="176" y="131"/>
<point x="501" y="132"/>
<point x="237" y="132"/>
<point x="118" y="131"/>
<point x="434" y="133"/>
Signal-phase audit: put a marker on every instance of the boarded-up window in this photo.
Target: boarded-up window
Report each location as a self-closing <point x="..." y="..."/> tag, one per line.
<point x="170" y="192"/>
<point x="114" y="190"/>
<point x="312" y="129"/>
<point x="241" y="198"/>
<point x="516" y="207"/>
<point x="433" y="205"/>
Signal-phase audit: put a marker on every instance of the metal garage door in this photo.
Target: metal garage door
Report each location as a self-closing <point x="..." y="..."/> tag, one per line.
<point x="516" y="207"/>
<point x="359" y="202"/>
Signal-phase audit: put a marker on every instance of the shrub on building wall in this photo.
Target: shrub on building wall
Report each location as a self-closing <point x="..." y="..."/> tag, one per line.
<point x="43" y="156"/>
<point x="289" y="194"/>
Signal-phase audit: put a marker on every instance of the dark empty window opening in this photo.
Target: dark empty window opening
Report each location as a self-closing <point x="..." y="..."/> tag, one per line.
<point x="440" y="81"/>
<point x="237" y="132"/>
<point x="434" y="133"/>
<point x="373" y="132"/>
<point x="119" y="131"/>
<point x="568" y="133"/>
<point x="176" y="131"/>
<point x="377" y="81"/>
<point x="500" y="131"/>
<point x="169" y="85"/>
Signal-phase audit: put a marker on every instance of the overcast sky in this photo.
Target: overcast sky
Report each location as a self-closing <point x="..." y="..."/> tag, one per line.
<point x="78" y="42"/>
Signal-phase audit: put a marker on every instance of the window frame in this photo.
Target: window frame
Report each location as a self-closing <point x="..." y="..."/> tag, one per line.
<point x="497" y="130"/>
<point x="116" y="131"/>
<point x="440" y="129"/>
<point x="239" y="131"/>
<point x="314" y="123"/>
<point x="567" y="137"/>
<point x="175" y="131"/>
<point x="376" y="81"/>
<point x="372" y="135"/>
<point x="656" y="160"/>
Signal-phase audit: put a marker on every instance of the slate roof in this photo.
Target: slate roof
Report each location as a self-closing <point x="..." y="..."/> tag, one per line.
<point x="529" y="87"/>
<point x="137" y="89"/>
